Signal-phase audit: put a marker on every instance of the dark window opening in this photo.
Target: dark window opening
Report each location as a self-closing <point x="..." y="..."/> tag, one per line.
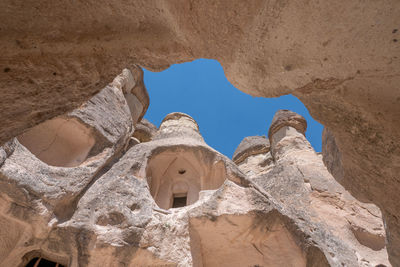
<point x="40" y="262"/>
<point x="179" y="201"/>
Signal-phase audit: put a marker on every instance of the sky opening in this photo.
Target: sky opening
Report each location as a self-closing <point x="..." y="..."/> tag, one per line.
<point x="225" y="115"/>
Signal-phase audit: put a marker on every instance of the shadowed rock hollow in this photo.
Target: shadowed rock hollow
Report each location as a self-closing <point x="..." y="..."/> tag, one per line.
<point x="341" y="59"/>
<point x="59" y="142"/>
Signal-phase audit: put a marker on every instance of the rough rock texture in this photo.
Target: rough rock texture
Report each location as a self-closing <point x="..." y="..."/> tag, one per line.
<point x="340" y="58"/>
<point x="144" y="131"/>
<point x="331" y="155"/>
<point x="286" y="118"/>
<point x="132" y="85"/>
<point x="298" y="180"/>
<point x="171" y="200"/>
<point x="39" y="191"/>
<point x="251" y="145"/>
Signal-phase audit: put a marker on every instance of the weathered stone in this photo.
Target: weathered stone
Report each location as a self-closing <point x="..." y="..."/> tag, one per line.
<point x="252" y="155"/>
<point x="178" y="125"/>
<point x="56" y="56"/>
<point x="301" y="183"/>
<point x="284" y="118"/>
<point x="249" y="146"/>
<point x="144" y="131"/>
<point x="134" y="91"/>
<point x="331" y="155"/>
<point x="46" y="170"/>
<point x="174" y="201"/>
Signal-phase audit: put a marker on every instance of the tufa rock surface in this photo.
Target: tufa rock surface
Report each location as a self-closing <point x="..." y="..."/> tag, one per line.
<point x="341" y="59"/>
<point x="298" y="180"/>
<point x="168" y="199"/>
<point x="331" y="155"/>
<point x="251" y="145"/>
<point x="144" y="131"/>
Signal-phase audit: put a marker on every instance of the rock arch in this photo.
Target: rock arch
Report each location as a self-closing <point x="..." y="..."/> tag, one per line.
<point x="182" y="174"/>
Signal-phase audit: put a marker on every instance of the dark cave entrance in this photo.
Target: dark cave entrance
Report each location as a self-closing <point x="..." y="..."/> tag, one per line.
<point x="179" y="201"/>
<point x="40" y="262"/>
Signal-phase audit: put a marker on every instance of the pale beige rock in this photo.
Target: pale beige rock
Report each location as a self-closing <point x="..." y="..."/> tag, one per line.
<point x="340" y="58"/>
<point x="144" y="131"/>
<point x="172" y="200"/>
<point x="252" y="156"/>
<point x="331" y="155"/>
<point x="249" y="146"/>
<point x="134" y="91"/>
<point x="300" y="181"/>
<point x="63" y="142"/>
<point x="46" y="170"/>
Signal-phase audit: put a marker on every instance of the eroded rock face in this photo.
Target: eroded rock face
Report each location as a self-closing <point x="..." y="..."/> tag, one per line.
<point x="297" y="178"/>
<point x="340" y="58"/>
<point x="252" y="145"/>
<point x="45" y="171"/>
<point x="144" y="131"/>
<point x="331" y="155"/>
<point x="168" y="199"/>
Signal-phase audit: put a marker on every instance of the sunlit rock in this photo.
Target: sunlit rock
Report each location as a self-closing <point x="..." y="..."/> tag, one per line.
<point x="101" y="186"/>
<point x="300" y="182"/>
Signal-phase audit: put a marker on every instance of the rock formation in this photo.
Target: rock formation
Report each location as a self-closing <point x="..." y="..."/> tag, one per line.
<point x="100" y="186"/>
<point x="340" y="58"/>
<point x="296" y="177"/>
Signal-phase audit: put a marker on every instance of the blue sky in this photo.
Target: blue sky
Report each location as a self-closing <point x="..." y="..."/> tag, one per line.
<point x="225" y="115"/>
